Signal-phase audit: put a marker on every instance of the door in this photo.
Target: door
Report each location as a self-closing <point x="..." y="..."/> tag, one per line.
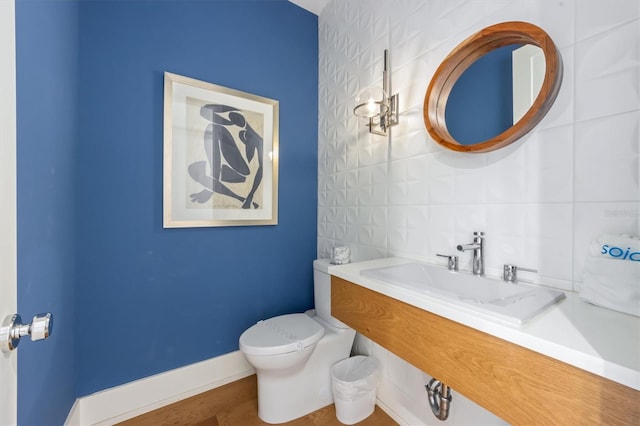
<point x="8" y="257"/>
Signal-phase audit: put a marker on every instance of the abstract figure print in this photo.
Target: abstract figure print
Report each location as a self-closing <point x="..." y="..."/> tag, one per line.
<point x="225" y="161"/>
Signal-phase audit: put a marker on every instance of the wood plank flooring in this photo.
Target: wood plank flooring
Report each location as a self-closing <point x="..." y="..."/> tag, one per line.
<point x="236" y="404"/>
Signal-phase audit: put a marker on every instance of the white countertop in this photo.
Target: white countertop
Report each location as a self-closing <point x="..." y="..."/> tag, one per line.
<point x="598" y="340"/>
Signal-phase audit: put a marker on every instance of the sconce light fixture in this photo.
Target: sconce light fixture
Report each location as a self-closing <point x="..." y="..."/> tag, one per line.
<point x="375" y="104"/>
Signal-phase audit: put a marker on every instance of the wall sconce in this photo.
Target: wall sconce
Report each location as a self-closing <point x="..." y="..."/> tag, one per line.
<point x="375" y="104"/>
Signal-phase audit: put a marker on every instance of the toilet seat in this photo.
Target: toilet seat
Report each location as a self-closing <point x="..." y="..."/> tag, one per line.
<point x="280" y="335"/>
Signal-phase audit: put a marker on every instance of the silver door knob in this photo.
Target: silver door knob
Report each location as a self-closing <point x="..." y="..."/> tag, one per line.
<point x="12" y="330"/>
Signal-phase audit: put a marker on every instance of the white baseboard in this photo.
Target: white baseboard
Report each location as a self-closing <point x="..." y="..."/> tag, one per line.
<point x="138" y="397"/>
<point x="391" y="401"/>
<point x="132" y="399"/>
<point x="391" y="412"/>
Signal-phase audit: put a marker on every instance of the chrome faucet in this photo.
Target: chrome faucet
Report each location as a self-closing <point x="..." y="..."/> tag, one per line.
<point x="478" y="252"/>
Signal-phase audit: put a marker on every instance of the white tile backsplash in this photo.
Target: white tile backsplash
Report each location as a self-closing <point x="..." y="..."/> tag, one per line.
<point x="540" y="201"/>
<point x="607" y="67"/>
<point x="595" y="17"/>
<point x="548" y="166"/>
<point x="607" y="158"/>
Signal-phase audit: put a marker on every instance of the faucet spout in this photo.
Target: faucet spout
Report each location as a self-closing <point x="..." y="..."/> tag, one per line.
<point x="478" y="252"/>
<point x="465" y="247"/>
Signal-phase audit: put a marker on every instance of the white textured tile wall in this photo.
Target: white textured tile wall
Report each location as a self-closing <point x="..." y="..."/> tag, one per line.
<point x="540" y="201"/>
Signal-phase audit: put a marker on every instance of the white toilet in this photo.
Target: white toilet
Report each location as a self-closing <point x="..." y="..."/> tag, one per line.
<point x="293" y="355"/>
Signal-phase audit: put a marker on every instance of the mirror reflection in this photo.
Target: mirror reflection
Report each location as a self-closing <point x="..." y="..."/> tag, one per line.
<point x="494" y="93"/>
<point x="529" y="68"/>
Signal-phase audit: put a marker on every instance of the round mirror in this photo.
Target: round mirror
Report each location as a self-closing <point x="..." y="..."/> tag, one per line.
<point x="468" y="113"/>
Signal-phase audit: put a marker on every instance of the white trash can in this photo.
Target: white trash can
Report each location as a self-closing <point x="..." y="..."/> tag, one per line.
<point x="354" y="382"/>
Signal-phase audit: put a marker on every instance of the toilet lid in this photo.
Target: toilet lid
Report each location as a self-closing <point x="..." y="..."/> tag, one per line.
<point x="280" y="335"/>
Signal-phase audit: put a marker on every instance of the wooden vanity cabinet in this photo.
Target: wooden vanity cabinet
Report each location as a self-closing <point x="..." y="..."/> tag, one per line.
<point x="517" y="384"/>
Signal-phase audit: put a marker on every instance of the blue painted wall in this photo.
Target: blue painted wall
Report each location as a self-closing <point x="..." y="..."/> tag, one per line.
<point x="151" y="299"/>
<point x="480" y="105"/>
<point x="131" y="299"/>
<point x="47" y="74"/>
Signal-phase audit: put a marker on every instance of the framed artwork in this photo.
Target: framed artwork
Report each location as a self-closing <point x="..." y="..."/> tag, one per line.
<point x="220" y="156"/>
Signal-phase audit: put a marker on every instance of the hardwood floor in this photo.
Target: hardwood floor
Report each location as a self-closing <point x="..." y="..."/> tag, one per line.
<point x="236" y="404"/>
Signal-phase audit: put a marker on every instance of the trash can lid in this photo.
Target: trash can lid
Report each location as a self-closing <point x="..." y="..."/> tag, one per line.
<point x="280" y="335"/>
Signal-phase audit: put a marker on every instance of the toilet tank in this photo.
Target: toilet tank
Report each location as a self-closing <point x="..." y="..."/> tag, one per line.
<point x="322" y="292"/>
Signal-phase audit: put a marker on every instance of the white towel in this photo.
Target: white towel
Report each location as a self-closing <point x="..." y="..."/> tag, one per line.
<point x="611" y="277"/>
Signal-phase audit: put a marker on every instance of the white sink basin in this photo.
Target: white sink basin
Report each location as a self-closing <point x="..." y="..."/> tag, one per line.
<point x="513" y="303"/>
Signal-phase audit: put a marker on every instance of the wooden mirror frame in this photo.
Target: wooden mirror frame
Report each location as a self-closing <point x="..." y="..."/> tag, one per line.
<point x="464" y="55"/>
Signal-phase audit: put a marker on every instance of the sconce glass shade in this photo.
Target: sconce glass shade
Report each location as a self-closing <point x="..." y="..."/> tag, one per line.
<point x="374" y="104"/>
<point x="371" y="102"/>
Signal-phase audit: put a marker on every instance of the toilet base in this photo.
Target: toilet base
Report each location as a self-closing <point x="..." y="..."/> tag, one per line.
<point x="285" y="395"/>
